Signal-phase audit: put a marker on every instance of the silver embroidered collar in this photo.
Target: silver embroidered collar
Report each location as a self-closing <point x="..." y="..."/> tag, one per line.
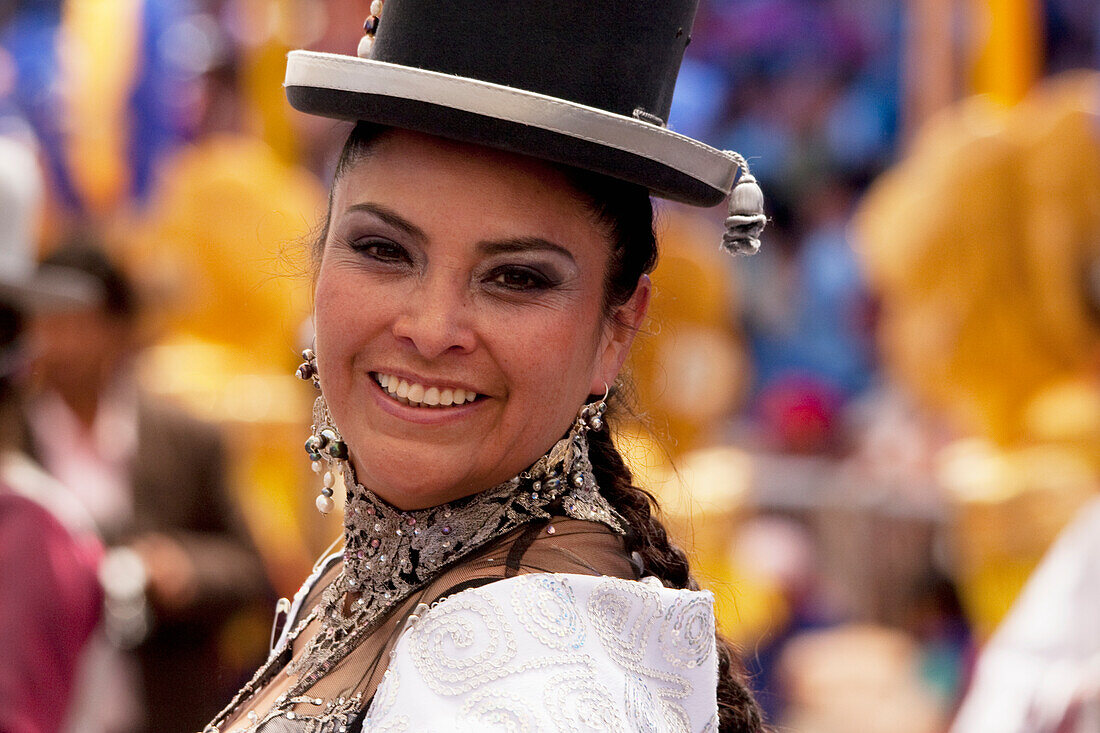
<point x="390" y="553"/>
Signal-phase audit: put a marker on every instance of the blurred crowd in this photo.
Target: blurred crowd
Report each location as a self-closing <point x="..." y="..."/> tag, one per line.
<point x="869" y="435"/>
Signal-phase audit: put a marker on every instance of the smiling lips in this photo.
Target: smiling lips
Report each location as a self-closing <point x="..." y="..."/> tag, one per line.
<point x="418" y="395"/>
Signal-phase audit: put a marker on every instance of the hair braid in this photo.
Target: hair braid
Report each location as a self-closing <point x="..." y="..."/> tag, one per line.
<point x="737" y="710"/>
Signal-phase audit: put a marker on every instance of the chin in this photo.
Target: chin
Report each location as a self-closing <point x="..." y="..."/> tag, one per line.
<point x="408" y="484"/>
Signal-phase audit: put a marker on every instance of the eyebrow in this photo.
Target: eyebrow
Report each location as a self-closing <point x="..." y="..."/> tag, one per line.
<point x="489" y="247"/>
<point x="523" y="244"/>
<point x="390" y="217"/>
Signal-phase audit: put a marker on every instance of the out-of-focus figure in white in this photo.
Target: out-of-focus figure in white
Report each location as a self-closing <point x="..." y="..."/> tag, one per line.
<point x="1040" y="673"/>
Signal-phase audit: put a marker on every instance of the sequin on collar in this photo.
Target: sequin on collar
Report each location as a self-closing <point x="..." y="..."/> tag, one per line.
<point x="389" y="553"/>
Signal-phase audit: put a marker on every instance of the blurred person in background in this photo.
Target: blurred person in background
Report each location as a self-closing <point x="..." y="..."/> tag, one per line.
<point x="938" y="622"/>
<point x="784" y="554"/>
<point x="1040" y="673"/>
<point x="153" y="479"/>
<point x="50" y="598"/>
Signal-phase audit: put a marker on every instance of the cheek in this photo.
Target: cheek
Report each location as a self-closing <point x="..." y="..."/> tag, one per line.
<point x="325" y="317"/>
<point x="345" y="315"/>
<point x="550" y="355"/>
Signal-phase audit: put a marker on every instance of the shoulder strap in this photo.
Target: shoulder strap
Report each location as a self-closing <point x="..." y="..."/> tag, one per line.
<point x="521" y="545"/>
<point x="466" y="585"/>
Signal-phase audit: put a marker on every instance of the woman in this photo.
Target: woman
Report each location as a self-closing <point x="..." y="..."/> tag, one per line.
<point x="474" y="304"/>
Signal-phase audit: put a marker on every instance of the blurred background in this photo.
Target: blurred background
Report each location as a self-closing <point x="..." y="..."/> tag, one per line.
<point x="869" y="435"/>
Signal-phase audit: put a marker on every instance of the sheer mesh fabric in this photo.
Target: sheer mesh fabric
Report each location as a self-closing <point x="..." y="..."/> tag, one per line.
<point x="563" y="545"/>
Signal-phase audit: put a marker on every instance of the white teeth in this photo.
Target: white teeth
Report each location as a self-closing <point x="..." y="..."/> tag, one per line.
<point x="419" y="395"/>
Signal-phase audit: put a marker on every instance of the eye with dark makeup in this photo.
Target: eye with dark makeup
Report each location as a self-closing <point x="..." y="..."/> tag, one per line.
<point x="381" y="250"/>
<point x="507" y="279"/>
<point x="520" y="278"/>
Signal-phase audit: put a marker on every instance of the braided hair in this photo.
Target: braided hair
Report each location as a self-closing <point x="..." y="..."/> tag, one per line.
<point x="626" y="213"/>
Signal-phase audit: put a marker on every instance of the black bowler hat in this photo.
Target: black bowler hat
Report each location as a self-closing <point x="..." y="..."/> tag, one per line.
<point x="586" y="83"/>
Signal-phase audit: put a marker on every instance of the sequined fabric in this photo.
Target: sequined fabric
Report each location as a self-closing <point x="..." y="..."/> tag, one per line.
<point x="555" y="653"/>
<point x="389" y="554"/>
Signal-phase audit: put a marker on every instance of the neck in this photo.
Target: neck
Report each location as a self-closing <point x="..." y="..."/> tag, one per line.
<point x="383" y="543"/>
<point x="390" y="553"/>
<point x="84" y="406"/>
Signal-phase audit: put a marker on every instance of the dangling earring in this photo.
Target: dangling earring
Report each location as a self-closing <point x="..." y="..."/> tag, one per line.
<point x="370" y="27"/>
<point x="307" y="370"/>
<point x="325" y="443"/>
<point x="591" y="415"/>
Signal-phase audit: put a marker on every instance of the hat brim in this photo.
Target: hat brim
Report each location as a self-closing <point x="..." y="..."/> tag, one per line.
<point x="670" y="165"/>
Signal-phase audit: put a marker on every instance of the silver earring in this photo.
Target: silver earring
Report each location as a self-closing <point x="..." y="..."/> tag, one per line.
<point x="307" y="370"/>
<point x="325" y="445"/>
<point x="591" y="415"/>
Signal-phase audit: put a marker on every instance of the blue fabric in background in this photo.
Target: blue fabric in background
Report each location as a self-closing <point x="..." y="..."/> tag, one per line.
<point x="156" y="125"/>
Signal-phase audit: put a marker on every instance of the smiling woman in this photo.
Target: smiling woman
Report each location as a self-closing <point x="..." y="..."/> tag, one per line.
<point x="480" y="280"/>
<point x="468" y="276"/>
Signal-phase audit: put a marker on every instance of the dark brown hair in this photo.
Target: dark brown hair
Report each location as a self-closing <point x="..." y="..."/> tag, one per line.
<point x="625" y="212"/>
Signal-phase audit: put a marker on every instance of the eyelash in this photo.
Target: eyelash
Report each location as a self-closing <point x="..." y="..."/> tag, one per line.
<point x="533" y="279"/>
<point x="387" y="252"/>
<point x="372" y="248"/>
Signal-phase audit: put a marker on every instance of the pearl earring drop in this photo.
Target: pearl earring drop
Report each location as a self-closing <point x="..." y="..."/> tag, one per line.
<point x="324" y="445"/>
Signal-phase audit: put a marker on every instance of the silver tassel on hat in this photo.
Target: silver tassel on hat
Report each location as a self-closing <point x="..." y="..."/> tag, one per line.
<point x="745" y="221"/>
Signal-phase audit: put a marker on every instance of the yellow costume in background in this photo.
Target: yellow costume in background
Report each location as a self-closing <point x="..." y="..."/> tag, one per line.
<point x="984" y="244"/>
<point x="226" y="237"/>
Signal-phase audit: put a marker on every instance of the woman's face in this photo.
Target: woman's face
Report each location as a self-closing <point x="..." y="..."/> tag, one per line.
<point x="462" y="275"/>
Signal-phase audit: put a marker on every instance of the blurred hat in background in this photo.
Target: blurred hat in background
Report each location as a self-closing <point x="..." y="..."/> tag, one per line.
<point x="22" y="285"/>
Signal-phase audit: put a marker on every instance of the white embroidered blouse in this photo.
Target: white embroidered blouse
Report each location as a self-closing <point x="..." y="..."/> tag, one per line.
<point x="550" y="652"/>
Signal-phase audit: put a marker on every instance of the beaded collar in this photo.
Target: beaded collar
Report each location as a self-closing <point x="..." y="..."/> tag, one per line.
<point x="389" y="553"/>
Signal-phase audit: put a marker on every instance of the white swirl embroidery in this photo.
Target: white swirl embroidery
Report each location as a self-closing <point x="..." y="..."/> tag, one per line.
<point x="650" y="711"/>
<point x="581" y="703"/>
<point x="462" y="643"/>
<point x="623" y="613"/>
<point x="545" y="653"/>
<point x="381" y="717"/>
<point x="546" y="607"/>
<point x="503" y="713"/>
<point x="641" y="704"/>
<point x="687" y="632"/>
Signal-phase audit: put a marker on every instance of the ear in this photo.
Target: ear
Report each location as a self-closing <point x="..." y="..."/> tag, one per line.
<point x="619" y="335"/>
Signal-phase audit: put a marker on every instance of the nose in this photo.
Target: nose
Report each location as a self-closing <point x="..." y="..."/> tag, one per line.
<point x="435" y="318"/>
